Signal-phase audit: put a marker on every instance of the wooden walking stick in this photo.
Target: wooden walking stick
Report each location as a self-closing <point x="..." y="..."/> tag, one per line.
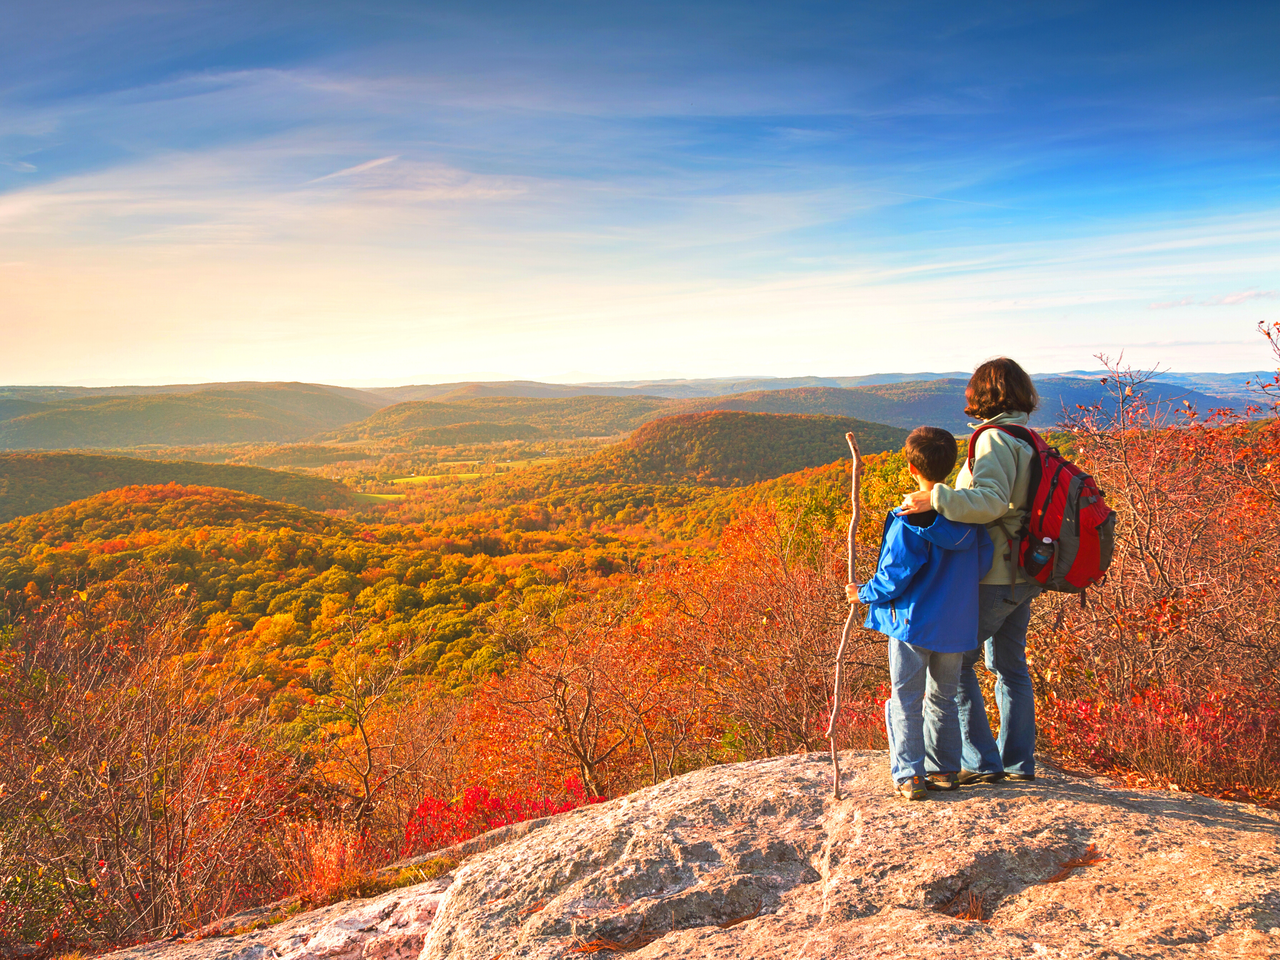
<point x="856" y="496"/>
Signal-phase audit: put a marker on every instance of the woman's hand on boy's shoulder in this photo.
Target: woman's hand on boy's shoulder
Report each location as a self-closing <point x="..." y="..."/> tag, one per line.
<point x="917" y="501"/>
<point x="851" y="591"/>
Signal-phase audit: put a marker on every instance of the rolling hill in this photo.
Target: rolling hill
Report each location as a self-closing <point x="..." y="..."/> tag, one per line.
<point x="12" y="407"/>
<point x="503" y="418"/>
<point x="732" y="447"/>
<point x="256" y="412"/>
<point x="35" y="482"/>
<point x="726" y="446"/>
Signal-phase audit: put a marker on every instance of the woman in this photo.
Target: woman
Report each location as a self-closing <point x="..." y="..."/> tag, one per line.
<point x="993" y="491"/>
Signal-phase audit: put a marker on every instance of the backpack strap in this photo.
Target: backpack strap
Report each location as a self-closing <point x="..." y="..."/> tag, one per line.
<point x="1015" y="430"/>
<point x="973" y="444"/>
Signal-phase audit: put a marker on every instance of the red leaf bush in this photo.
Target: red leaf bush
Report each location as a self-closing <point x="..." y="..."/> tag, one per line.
<point x="437" y="823"/>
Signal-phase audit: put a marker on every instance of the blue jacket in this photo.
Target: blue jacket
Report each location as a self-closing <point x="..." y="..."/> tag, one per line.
<point x="925" y="591"/>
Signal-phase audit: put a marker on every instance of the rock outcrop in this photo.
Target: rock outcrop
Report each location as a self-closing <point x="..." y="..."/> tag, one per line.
<point x="756" y="860"/>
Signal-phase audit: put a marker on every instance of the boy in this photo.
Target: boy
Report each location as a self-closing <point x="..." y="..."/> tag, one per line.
<point x="924" y="597"/>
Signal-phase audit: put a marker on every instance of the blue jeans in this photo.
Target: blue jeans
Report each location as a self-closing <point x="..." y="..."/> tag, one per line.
<point x="920" y="717"/>
<point x="1004" y="624"/>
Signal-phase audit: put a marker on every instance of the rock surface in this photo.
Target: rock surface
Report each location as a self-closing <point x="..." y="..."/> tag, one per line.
<point x="757" y="860"/>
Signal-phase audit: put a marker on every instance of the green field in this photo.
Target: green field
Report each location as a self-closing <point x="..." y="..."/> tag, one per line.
<point x="508" y="466"/>
<point x="425" y="478"/>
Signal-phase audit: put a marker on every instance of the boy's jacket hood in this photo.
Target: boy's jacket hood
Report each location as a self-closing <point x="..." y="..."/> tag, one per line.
<point x="944" y="533"/>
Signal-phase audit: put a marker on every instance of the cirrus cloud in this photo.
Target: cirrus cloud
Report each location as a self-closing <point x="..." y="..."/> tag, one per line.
<point x="1221" y="300"/>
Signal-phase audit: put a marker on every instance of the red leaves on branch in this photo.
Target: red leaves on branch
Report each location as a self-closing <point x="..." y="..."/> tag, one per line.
<point x="437" y="824"/>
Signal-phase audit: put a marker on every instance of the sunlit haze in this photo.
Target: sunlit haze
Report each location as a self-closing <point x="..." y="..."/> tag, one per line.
<point x="383" y="192"/>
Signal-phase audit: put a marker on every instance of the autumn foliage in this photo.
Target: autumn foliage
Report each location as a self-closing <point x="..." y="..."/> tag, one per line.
<point x="136" y="793"/>
<point x="211" y="700"/>
<point x="1168" y="675"/>
<point x="437" y="824"/>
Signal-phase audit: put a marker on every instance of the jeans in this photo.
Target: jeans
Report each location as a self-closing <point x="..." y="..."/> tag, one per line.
<point x="1004" y="625"/>
<point x="920" y="716"/>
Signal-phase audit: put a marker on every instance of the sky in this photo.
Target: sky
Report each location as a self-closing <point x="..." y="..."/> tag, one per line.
<point x="381" y="192"/>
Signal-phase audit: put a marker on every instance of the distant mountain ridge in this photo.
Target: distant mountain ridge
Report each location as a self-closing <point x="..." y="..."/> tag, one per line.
<point x="50" y="394"/>
<point x="939" y="403"/>
<point x="1218" y="385"/>
<point x="272" y="412"/>
<point x="52" y="418"/>
<point x="671" y="389"/>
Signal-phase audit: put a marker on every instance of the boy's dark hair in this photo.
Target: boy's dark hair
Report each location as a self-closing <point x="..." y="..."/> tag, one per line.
<point x="997" y="387"/>
<point x="932" y="451"/>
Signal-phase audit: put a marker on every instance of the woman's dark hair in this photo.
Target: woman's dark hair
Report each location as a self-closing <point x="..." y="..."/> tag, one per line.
<point x="997" y="387"/>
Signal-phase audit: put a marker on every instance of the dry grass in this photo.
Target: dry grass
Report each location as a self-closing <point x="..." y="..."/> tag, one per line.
<point x="966" y="905"/>
<point x="1087" y="859"/>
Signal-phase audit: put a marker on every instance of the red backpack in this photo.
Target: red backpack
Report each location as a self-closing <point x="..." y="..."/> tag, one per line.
<point x="1067" y="508"/>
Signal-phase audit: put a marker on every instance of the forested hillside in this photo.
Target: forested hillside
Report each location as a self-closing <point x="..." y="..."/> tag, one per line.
<point x="10" y="408"/>
<point x="275" y="412"/>
<point x="248" y="558"/>
<point x="34" y="482"/>
<point x="514" y="418"/>
<point x="667" y="478"/>
<point x="727" y="447"/>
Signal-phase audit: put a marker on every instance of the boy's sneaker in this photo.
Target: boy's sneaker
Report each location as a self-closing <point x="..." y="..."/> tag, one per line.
<point x="913" y="789"/>
<point x="1020" y="777"/>
<point x="966" y="777"/>
<point x="942" y="781"/>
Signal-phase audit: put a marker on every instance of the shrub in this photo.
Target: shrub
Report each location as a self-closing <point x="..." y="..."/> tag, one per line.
<point x="135" y="797"/>
<point x="1169" y="671"/>
<point x="437" y="824"/>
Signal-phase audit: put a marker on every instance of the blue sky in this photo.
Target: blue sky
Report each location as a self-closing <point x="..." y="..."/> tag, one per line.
<point x="397" y="192"/>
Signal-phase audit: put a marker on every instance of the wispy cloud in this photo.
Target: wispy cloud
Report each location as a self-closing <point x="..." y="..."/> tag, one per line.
<point x="248" y="195"/>
<point x="358" y="168"/>
<point x="1241" y="296"/>
<point x="1221" y="300"/>
<point x="1170" y="304"/>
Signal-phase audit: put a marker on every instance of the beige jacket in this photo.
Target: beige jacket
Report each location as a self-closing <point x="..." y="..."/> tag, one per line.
<point x="993" y="493"/>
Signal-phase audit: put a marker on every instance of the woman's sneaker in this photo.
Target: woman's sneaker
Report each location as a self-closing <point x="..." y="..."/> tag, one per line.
<point x="966" y="777"/>
<point x="913" y="789"/>
<point x="942" y="781"/>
